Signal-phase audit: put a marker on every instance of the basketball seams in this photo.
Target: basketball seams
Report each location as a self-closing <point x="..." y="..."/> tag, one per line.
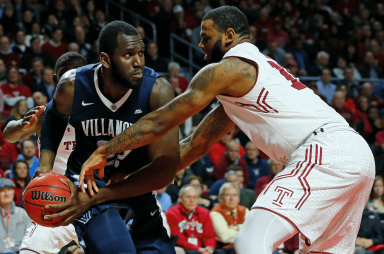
<point x="53" y="186"/>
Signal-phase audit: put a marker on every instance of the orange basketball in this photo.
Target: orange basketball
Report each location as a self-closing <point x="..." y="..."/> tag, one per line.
<point x="42" y="191"/>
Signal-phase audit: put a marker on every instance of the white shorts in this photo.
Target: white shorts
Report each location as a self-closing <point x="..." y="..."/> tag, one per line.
<point x="324" y="189"/>
<point x="45" y="240"/>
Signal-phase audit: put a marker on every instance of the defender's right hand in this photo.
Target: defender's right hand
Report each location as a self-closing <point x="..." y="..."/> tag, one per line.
<point x="31" y="117"/>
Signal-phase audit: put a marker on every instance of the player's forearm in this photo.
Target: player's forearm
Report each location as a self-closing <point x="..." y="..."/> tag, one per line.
<point x="13" y="131"/>
<point x="189" y="154"/>
<point x="162" y="171"/>
<point x="46" y="161"/>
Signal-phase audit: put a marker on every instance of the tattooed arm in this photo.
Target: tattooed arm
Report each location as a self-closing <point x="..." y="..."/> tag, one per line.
<point x="211" y="81"/>
<point x="210" y="130"/>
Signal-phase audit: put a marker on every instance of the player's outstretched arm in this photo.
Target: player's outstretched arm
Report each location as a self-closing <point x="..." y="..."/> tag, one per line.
<point x="210" y="130"/>
<point x="30" y="124"/>
<point x="55" y="121"/>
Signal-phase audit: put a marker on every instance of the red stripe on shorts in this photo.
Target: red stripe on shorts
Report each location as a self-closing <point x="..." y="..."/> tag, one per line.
<point x="302" y="174"/>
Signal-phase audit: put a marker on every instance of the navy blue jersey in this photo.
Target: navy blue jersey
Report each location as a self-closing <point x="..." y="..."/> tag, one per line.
<point x="97" y="120"/>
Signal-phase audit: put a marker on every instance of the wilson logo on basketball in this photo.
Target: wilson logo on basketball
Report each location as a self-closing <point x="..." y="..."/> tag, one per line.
<point x="47" y="196"/>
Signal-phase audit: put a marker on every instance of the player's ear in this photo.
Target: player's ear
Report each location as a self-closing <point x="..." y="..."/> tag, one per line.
<point x="54" y="79"/>
<point x="105" y="60"/>
<point x="229" y="36"/>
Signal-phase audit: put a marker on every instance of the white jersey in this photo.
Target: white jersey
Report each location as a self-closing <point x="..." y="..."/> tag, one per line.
<point x="67" y="145"/>
<point x="279" y="112"/>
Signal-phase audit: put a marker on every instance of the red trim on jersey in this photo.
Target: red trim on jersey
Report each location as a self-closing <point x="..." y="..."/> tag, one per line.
<point x="292" y="174"/>
<point x="316" y="154"/>
<point x="266" y="104"/>
<point x="309" y="241"/>
<point x="302" y="174"/>
<point x="29" y="250"/>
<point x="258" y="100"/>
<point x="240" y="43"/>
<point x="321" y="252"/>
<point x="321" y="155"/>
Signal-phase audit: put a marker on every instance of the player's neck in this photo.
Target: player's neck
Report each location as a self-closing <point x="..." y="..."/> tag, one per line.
<point x="239" y="40"/>
<point x="112" y="91"/>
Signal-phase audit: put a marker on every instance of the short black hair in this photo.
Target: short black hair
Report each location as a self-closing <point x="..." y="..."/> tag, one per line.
<point x="108" y="35"/>
<point x="225" y="17"/>
<point x="64" y="57"/>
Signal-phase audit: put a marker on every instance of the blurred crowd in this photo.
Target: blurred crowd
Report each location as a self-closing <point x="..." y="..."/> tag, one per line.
<point x="335" y="47"/>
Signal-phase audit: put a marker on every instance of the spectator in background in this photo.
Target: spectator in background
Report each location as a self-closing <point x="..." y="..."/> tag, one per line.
<point x="174" y="71"/>
<point x="370" y="125"/>
<point x="51" y="24"/>
<point x="228" y="216"/>
<point x="36" y="32"/>
<point x="40" y="99"/>
<point x="153" y="60"/>
<point x="9" y="58"/>
<point x="13" y="91"/>
<point x="300" y="54"/>
<point x="18" y="111"/>
<point x="352" y="85"/>
<point x="55" y="46"/>
<point x="181" y="179"/>
<point x="274" y="52"/>
<point x="141" y="31"/>
<point x="253" y="39"/>
<point x="191" y="224"/>
<point x="349" y="103"/>
<point x="369" y="69"/>
<point x="339" y="70"/>
<point x="27" y="22"/>
<point x="322" y="62"/>
<point x="21" y="179"/>
<point x="345" y="112"/>
<point x="8" y="19"/>
<point x="274" y="169"/>
<point x="377" y="54"/>
<point x="205" y="202"/>
<point x="367" y="91"/>
<point x="46" y="86"/>
<point x="3" y="72"/>
<point x="17" y="217"/>
<point x="293" y="67"/>
<point x="277" y="34"/>
<point x="73" y="47"/>
<point x="34" y="76"/>
<point x="370" y="232"/>
<point x="220" y="147"/>
<point x="325" y="86"/>
<point x="174" y="81"/>
<point x="19" y="47"/>
<point x="84" y="47"/>
<point x="28" y="151"/>
<point x="99" y="23"/>
<point x="35" y="51"/>
<point x="263" y="24"/>
<point x="230" y="156"/>
<point x="164" y="199"/>
<point x="257" y="166"/>
<point x="230" y="176"/>
<point x="376" y="198"/>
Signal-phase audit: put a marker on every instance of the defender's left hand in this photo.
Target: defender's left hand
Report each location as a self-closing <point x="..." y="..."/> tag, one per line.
<point x="75" y="206"/>
<point x="95" y="161"/>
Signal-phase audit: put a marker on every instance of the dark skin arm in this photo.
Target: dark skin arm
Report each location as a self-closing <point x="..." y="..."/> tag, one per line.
<point x="165" y="159"/>
<point x="63" y="98"/>
<point x="23" y="128"/>
<point x="215" y="125"/>
<point x="211" y="81"/>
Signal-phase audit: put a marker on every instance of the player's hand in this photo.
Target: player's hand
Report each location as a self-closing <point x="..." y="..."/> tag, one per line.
<point x="32" y="117"/>
<point x="95" y="161"/>
<point x="75" y="206"/>
<point x="41" y="172"/>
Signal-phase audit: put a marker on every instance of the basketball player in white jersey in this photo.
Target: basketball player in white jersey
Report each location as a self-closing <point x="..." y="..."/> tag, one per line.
<point x="329" y="168"/>
<point x="40" y="239"/>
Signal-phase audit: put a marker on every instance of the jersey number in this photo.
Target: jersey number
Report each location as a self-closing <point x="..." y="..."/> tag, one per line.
<point x="115" y="158"/>
<point x="287" y="74"/>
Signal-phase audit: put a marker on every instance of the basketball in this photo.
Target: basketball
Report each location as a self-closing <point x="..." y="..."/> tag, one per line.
<point x="42" y="191"/>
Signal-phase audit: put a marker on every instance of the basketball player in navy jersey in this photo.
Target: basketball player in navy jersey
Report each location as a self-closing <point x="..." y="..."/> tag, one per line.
<point x="102" y="100"/>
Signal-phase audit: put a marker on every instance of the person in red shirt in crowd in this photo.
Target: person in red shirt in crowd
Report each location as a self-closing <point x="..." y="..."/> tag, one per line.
<point x="277" y="34"/>
<point x="263" y="24"/>
<point x="13" y="91"/>
<point x="174" y="81"/>
<point x="33" y="77"/>
<point x="54" y="46"/>
<point x="230" y="156"/>
<point x="174" y="71"/>
<point x="377" y="54"/>
<point x="338" y="105"/>
<point x="274" y="168"/>
<point x="11" y="151"/>
<point x="220" y="147"/>
<point x="192" y="224"/>
<point x="10" y="58"/>
<point x="361" y="108"/>
<point x="21" y="178"/>
<point x="367" y="91"/>
<point x="349" y="103"/>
